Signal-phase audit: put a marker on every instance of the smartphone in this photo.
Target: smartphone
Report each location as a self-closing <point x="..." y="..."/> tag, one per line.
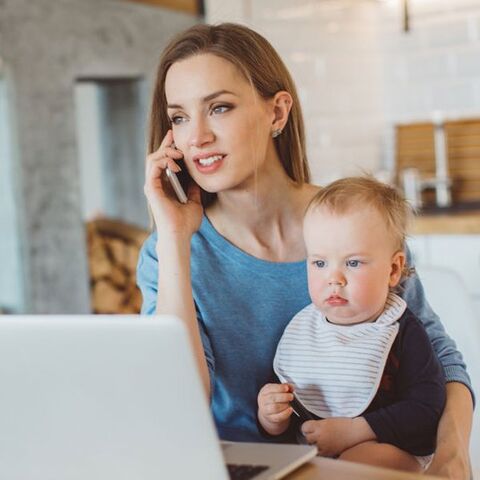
<point x="174" y="182"/>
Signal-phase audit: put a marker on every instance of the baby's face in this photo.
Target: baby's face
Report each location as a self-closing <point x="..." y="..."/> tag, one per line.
<point x="352" y="262"/>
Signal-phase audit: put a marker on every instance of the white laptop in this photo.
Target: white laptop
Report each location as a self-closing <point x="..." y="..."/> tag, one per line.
<point x="113" y="398"/>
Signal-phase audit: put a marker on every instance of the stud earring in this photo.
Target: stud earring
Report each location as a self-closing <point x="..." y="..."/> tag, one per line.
<point x="276" y="132"/>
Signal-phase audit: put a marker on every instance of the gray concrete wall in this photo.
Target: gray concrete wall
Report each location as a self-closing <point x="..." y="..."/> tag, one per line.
<point x="46" y="45"/>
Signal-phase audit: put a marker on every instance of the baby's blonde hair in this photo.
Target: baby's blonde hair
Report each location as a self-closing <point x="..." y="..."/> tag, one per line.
<point x="353" y="193"/>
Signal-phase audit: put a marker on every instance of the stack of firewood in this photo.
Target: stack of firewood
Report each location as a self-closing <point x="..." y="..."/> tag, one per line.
<point x="113" y="248"/>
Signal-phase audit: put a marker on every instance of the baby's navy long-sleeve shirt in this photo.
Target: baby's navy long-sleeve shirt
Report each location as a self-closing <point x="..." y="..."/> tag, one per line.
<point x="408" y="405"/>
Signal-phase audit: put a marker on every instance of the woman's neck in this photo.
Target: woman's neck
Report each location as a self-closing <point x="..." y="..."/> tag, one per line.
<point x="264" y="218"/>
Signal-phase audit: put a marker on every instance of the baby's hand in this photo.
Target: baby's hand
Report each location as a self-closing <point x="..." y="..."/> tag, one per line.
<point x="274" y="408"/>
<point x="329" y="435"/>
<point x="332" y="436"/>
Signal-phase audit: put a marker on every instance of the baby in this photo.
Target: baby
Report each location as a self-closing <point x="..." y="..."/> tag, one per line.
<point x="356" y="361"/>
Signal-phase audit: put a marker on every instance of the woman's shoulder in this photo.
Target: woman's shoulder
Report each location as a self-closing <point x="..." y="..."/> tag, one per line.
<point x="305" y="194"/>
<point x="309" y="190"/>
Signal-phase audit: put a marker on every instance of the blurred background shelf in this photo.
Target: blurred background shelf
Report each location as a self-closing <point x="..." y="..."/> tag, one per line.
<point x="467" y="223"/>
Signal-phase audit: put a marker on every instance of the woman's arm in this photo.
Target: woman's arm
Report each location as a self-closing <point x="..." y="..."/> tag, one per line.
<point x="451" y="458"/>
<point x="175" y="294"/>
<point x="148" y="277"/>
<point x="451" y="359"/>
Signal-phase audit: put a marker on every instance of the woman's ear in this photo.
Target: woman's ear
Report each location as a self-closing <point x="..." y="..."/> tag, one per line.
<point x="397" y="266"/>
<point x="282" y="104"/>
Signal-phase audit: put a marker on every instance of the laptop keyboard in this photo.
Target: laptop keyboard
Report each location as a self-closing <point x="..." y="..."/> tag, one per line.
<point x="244" y="472"/>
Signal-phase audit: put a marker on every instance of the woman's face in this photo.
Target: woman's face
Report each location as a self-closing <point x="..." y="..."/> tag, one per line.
<point x="219" y="122"/>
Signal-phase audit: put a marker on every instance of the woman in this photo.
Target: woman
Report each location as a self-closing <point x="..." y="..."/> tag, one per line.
<point x="230" y="262"/>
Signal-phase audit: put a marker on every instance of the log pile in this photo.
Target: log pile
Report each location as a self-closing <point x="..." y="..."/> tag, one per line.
<point x="113" y="248"/>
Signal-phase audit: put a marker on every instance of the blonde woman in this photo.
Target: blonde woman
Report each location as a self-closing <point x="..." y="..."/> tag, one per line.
<point x="231" y="261"/>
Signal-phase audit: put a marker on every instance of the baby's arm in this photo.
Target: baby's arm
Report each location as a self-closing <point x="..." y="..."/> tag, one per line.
<point x="411" y="422"/>
<point x="274" y="410"/>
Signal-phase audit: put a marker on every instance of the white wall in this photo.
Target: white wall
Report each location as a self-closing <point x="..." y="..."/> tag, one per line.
<point x="436" y="66"/>
<point x="332" y="51"/>
<point x="358" y="73"/>
<point x="11" y="291"/>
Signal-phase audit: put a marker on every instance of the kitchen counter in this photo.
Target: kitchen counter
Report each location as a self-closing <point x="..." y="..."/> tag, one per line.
<point x="447" y="223"/>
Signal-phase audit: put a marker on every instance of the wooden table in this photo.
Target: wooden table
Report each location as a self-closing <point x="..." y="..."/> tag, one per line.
<point x="327" y="469"/>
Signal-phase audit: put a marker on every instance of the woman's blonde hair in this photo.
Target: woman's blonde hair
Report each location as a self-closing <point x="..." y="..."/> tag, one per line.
<point x="258" y="61"/>
<point x="354" y="193"/>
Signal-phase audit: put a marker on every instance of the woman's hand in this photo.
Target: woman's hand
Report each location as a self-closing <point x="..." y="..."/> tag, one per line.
<point x="168" y="213"/>
<point x="274" y="408"/>
<point x="451" y="459"/>
<point x="455" y="466"/>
